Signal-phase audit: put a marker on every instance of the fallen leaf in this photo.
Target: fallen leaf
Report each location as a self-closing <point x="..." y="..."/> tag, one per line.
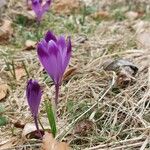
<point x="141" y="26"/>
<point x="8" y="144"/>
<point x="3" y="91"/>
<point x="67" y="6"/>
<point x="2" y="3"/>
<point x="49" y="143"/>
<point x="83" y="127"/>
<point x="124" y="79"/>
<point x="124" y="69"/>
<point x="101" y="15"/>
<point x="69" y="72"/>
<point x="20" y="72"/>
<point x="28" y="15"/>
<point x="29" y="4"/>
<point x="115" y="65"/>
<point x="80" y="39"/>
<point x="30" y="45"/>
<point x="132" y="15"/>
<point x="88" y="2"/>
<point x="30" y="131"/>
<point x="6" y="31"/>
<point x="19" y="124"/>
<point x="143" y="39"/>
<point x="142" y="29"/>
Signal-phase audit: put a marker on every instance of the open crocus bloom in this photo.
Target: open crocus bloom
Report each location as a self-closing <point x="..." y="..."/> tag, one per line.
<point x="54" y="54"/>
<point x="39" y="8"/>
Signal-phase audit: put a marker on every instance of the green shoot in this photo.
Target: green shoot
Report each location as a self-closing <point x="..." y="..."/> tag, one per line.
<point x="51" y="117"/>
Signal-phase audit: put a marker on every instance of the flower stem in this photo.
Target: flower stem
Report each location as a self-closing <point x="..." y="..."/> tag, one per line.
<point x="56" y="93"/>
<point x="41" y="124"/>
<point x="37" y="127"/>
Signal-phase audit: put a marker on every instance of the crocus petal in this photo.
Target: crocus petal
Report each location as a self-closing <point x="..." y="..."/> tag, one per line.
<point x="42" y="49"/>
<point x="61" y="43"/>
<point x="48" y="58"/>
<point x="50" y="36"/>
<point x="33" y="93"/>
<point x="36" y="6"/>
<point x="44" y="44"/>
<point x="68" y="53"/>
<point x="56" y="61"/>
<point x="46" y="5"/>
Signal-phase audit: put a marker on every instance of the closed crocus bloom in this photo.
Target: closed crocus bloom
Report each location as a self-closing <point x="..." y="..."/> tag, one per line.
<point x="40" y="8"/>
<point x="33" y="94"/>
<point x="54" y="54"/>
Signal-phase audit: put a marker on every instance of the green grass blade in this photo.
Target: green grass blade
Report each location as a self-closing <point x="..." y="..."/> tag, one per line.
<point x="51" y="117"/>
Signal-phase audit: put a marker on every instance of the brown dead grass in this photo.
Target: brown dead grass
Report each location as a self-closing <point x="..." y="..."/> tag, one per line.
<point x="121" y="119"/>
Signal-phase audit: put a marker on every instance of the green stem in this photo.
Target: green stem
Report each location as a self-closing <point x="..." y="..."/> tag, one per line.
<point x="51" y="117"/>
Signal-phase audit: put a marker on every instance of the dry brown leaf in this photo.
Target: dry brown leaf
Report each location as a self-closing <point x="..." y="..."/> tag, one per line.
<point x="132" y="15"/>
<point x="124" y="69"/>
<point x="28" y="128"/>
<point x="7" y="144"/>
<point x="141" y="26"/>
<point x="69" y="72"/>
<point x="88" y="2"/>
<point x="143" y="39"/>
<point x="3" y="91"/>
<point x="20" y="72"/>
<point x="30" y="45"/>
<point x="49" y="143"/>
<point x="30" y="131"/>
<point x="104" y="15"/>
<point x="19" y="124"/>
<point x="29" y="15"/>
<point x="29" y="5"/>
<point x="2" y="3"/>
<point x="119" y="65"/>
<point x="142" y="29"/>
<point x="67" y="6"/>
<point x="84" y="127"/>
<point x="6" y="31"/>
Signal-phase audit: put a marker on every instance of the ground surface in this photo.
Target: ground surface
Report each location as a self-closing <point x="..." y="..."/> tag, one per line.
<point x="98" y="110"/>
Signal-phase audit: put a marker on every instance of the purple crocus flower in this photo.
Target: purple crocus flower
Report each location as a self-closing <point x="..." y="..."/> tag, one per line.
<point x="40" y="8"/>
<point x="54" y="54"/>
<point x="33" y="94"/>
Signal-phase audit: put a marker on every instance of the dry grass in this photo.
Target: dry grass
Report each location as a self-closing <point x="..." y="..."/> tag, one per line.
<point x="120" y="118"/>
